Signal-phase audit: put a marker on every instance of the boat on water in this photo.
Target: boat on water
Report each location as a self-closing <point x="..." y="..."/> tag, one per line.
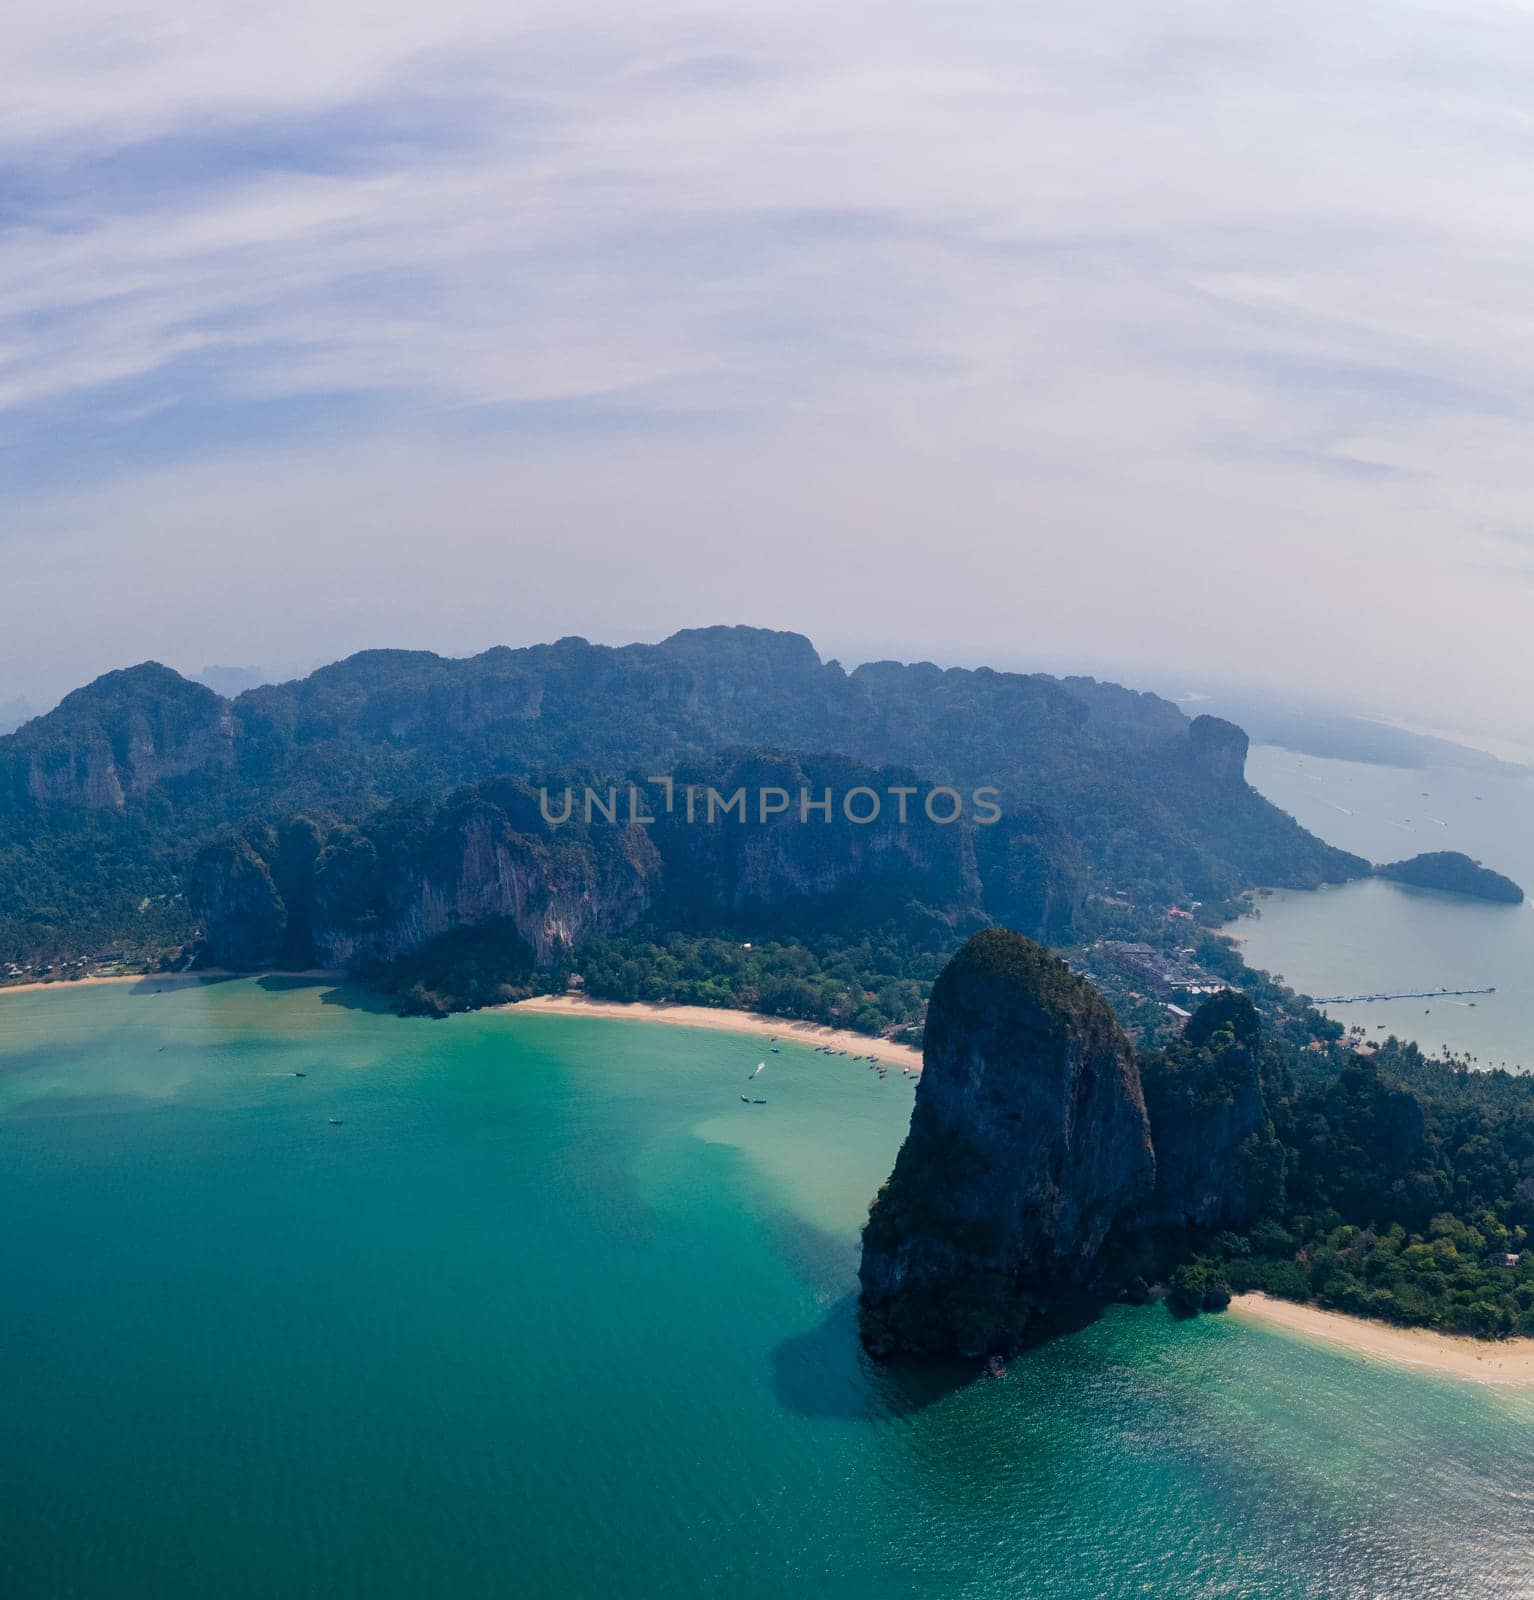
<point x="335" y="1122"/>
<point x="756" y="1069"/>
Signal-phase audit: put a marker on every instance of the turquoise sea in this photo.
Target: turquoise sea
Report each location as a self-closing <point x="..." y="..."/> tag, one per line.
<point x="1373" y="936"/>
<point x="551" y="1313"/>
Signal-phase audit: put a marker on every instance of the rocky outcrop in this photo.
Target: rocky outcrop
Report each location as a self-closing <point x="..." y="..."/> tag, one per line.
<point x="1218" y="749"/>
<point x="1034" y="875"/>
<point x="344" y="898"/>
<point x="1119" y="786"/>
<point x="120" y="737"/>
<point x="361" y="897"/>
<point x="476" y="868"/>
<point x="1218" y="1161"/>
<point x="765" y="866"/>
<point x="236" y="897"/>
<point x="1029" y="1139"/>
<point x="1043" y="1159"/>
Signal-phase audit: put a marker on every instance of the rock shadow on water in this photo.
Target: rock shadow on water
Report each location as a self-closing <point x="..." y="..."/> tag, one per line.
<point x="289" y="982"/>
<point x="177" y="982"/>
<point x="826" y="1373"/>
<point x="349" y="996"/>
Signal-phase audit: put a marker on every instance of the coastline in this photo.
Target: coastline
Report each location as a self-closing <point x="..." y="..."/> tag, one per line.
<point x="37" y="986"/>
<point x="719" y="1020"/>
<point x="1502" y="1361"/>
<point x="722" y="1021"/>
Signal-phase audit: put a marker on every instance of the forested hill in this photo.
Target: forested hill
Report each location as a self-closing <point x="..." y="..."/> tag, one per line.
<point x="105" y="801"/>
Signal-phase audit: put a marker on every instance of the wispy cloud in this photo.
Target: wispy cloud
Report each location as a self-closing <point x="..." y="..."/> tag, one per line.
<point x="1117" y="298"/>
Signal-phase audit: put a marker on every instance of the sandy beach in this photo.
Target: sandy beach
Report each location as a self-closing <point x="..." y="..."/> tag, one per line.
<point x="61" y="985"/>
<point x="814" y="1033"/>
<point x="1506" y="1361"/>
<point x="569" y="1005"/>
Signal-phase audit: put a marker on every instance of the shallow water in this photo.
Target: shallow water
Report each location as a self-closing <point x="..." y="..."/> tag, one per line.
<point x="1374" y="936"/>
<point x="552" y="1313"/>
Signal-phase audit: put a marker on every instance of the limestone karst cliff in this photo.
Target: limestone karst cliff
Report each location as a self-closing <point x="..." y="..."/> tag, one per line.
<point x="1041" y="1163"/>
<point x="130" y="732"/>
<point x="1028" y="1141"/>
<point x="1099" y="786"/>
<point x="358" y="897"/>
<point x="1218" y="1162"/>
<point x="342" y="897"/>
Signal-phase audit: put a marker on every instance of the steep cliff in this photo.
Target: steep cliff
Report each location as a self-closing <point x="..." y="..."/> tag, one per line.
<point x="1034" y="1166"/>
<point x="1218" y="749"/>
<point x="236" y="896"/>
<point x="773" y="871"/>
<point x="345" y="897"/>
<point x="1111" y="787"/>
<point x="122" y="736"/>
<point x="362" y="896"/>
<point x="1218" y="1162"/>
<point x="1028" y="1140"/>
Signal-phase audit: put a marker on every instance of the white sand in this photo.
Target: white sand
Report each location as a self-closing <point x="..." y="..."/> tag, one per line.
<point x="62" y="984"/>
<point x="783" y="1028"/>
<point x="1509" y="1361"/>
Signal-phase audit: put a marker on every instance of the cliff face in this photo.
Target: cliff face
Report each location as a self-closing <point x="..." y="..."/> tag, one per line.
<point x="765" y="867"/>
<point x="1034" y="875"/>
<point x="1218" y="1161"/>
<point x="475" y="869"/>
<point x="1028" y="1140"/>
<point x="344" y="898"/>
<point x="234" y="891"/>
<point x="1218" y="749"/>
<point x="120" y="737"/>
<point x="1105" y="785"/>
<point x="357" y="897"/>
<point x="1034" y="1165"/>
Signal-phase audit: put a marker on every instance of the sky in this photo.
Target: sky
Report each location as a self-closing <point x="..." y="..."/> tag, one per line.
<point x="1194" y="342"/>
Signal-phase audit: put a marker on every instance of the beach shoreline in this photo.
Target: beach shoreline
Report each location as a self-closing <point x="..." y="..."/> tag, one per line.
<point x="220" y="974"/>
<point x="37" y="985"/>
<point x="785" y="1029"/>
<point x="1501" y="1361"/>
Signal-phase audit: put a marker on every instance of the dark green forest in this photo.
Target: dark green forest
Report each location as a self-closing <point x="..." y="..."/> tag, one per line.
<point x="1407" y="1190"/>
<point x="106" y="801"/>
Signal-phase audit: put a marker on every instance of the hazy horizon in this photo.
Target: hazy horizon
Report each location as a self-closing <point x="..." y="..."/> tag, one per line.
<point x="1182" y="341"/>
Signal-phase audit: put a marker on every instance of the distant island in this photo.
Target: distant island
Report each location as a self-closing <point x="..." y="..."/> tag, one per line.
<point x="1453" y="873"/>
